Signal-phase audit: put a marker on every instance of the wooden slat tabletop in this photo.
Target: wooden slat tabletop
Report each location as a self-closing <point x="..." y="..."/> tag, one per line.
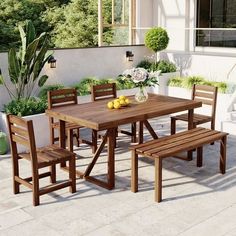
<point x="96" y="115"/>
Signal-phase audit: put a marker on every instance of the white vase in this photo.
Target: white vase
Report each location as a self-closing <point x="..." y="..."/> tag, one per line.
<point x="141" y="95"/>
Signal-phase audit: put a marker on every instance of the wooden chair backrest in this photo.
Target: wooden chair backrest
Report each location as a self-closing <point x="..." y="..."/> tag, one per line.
<point x="62" y="97"/>
<point x="103" y="91"/>
<point x="207" y="95"/>
<point x="21" y="132"/>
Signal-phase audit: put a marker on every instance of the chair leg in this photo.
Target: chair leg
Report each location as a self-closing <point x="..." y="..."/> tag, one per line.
<point x="70" y="140"/>
<point x="172" y="125"/>
<point x="72" y="174"/>
<point x="16" y="185"/>
<point x="133" y="132"/>
<point x="52" y="136"/>
<point x="158" y="179"/>
<point x="223" y="154"/>
<point x="35" y="181"/>
<point x="94" y="140"/>
<point x="53" y="174"/>
<point x="77" y="137"/>
<point x="213" y="128"/>
<point x="134" y="172"/>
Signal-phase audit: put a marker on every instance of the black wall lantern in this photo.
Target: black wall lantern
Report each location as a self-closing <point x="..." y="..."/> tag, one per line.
<point x="129" y="56"/>
<point x="52" y="61"/>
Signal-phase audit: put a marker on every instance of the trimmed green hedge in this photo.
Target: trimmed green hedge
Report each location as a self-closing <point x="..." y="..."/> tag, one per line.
<point x="188" y="82"/>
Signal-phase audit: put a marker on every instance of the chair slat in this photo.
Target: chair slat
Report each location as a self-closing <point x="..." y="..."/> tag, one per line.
<point x="204" y="95"/>
<point x="19" y="131"/>
<point x="20" y="140"/>
<point x="204" y="101"/>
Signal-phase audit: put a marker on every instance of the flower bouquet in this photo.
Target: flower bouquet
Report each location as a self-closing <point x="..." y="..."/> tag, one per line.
<point x="141" y="78"/>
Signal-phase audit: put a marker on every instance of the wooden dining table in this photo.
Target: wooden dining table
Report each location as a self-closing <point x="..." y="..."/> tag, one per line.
<point x="96" y="116"/>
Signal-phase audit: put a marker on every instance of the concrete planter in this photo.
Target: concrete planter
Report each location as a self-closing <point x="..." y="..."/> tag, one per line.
<point x="222" y="108"/>
<point x="163" y="80"/>
<point x="41" y="129"/>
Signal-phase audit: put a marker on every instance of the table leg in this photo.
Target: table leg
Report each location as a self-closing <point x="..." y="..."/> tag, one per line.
<point x="111" y="157"/>
<point x="140" y="132"/>
<point x="109" y="138"/>
<point x="62" y="137"/>
<point x="190" y="126"/>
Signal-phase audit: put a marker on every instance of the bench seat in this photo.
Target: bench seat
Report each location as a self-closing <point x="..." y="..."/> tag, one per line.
<point x="172" y="145"/>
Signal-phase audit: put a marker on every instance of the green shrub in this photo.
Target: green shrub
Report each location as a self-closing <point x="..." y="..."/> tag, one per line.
<point x="43" y="92"/>
<point x="175" y="82"/>
<point x="84" y="86"/>
<point x="163" y="65"/>
<point x="156" y="39"/>
<point x="188" y="82"/>
<point x="146" y="64"/>
<point x="166" y="66"/>
<point x="25" y="107"/>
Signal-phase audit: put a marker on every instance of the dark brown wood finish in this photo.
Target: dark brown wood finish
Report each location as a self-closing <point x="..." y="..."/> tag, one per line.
<point x="97" y="116"/>
<point x="170" y="146"/>
<point x="22" y="132"/>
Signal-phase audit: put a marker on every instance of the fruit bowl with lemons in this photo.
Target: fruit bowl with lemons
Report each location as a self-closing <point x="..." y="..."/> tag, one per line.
<point x="120" y="102"/>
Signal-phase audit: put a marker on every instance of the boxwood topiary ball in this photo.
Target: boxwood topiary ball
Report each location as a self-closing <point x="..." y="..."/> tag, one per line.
<point x="156" y="39"/>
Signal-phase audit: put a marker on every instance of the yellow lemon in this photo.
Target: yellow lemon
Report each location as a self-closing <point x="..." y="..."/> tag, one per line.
<point x="116" y="100"/>
<point x="117" y="105"/>
<point x="122" y="102"/>
<point x="110" y="105"/>
<point x="122" y="97"/>
<point x="127" y="101"/>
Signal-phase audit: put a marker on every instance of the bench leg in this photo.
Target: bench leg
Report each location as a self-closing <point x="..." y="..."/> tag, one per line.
<point x="158" y="179"/>
<point x="199" y="156"/>
<point x="223" y="154"/>
<point x="134" y="172"/>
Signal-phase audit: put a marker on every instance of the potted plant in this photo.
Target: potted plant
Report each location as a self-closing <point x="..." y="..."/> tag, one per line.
<point x="157" y="40"/>
<point x="3" y="143"/>
<point x="25" y="66"/>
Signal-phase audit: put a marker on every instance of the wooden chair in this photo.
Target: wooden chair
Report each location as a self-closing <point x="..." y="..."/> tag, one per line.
<point x="64" y="97"/>
<point x="208" y="96"/>
<point x="104" y="91"/>
<point x="22" y="132"/>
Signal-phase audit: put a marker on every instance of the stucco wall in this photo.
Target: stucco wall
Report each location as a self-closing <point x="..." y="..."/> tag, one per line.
<point x="75" y="64"/>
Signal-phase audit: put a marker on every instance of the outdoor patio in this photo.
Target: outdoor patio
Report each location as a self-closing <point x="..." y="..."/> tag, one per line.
<point x="196" y="201"/>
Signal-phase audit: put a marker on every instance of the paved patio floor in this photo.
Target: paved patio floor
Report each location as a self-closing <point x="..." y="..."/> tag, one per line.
<point x="196" y="201"/>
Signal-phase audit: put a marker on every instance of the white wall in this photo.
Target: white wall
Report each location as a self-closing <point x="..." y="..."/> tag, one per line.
<point x="218" y="67"/>
<point x="75" y="64"/>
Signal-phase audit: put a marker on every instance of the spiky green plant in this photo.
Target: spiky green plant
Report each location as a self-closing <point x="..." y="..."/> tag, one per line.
<point x="25" y="64"/>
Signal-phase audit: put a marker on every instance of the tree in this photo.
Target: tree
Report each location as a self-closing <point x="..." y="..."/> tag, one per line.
<point x="14" y="12"/>
<point x="76" y="24"/>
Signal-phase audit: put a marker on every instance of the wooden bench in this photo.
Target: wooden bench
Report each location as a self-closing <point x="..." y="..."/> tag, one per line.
<point x="172" y="145"/>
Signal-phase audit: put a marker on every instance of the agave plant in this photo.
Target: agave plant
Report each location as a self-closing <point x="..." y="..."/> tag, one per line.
<point x="25" y="65"/>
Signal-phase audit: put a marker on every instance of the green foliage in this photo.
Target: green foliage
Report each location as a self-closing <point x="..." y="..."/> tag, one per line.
<point x="146" y="64"/>
<point x="75" y="24"/>
<point x="191" y="80"/>
<point x="188" y="82"/>
<point x="164" y="66"/>
<point x="25" y="65"/>
<point x="175" y="82"/>
<point x="25" y="107"/>
<point x="156" y="39"/>
<point x="84" y="86"/>
<point x="14" y="12"/>
<point x="43" y="92"/>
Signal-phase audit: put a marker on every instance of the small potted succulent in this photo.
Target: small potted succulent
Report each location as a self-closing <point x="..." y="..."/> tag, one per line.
<point x="3" y="143"/>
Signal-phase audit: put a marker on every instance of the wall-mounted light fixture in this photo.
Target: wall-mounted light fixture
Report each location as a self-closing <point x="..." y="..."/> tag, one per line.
<point x="52" y="61"/>
<point x="129" y="56"/>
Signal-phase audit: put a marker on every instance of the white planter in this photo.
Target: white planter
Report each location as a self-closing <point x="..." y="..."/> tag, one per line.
<point x="222" y="107"/>
<point x="163" y="80"/>
<point x="41" y="129"/>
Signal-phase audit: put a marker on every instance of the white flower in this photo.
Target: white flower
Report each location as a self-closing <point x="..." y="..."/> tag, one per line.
<point x="154" y="73"/>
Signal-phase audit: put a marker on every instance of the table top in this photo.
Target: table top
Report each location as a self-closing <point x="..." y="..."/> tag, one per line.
<point x="96" y="115"/>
